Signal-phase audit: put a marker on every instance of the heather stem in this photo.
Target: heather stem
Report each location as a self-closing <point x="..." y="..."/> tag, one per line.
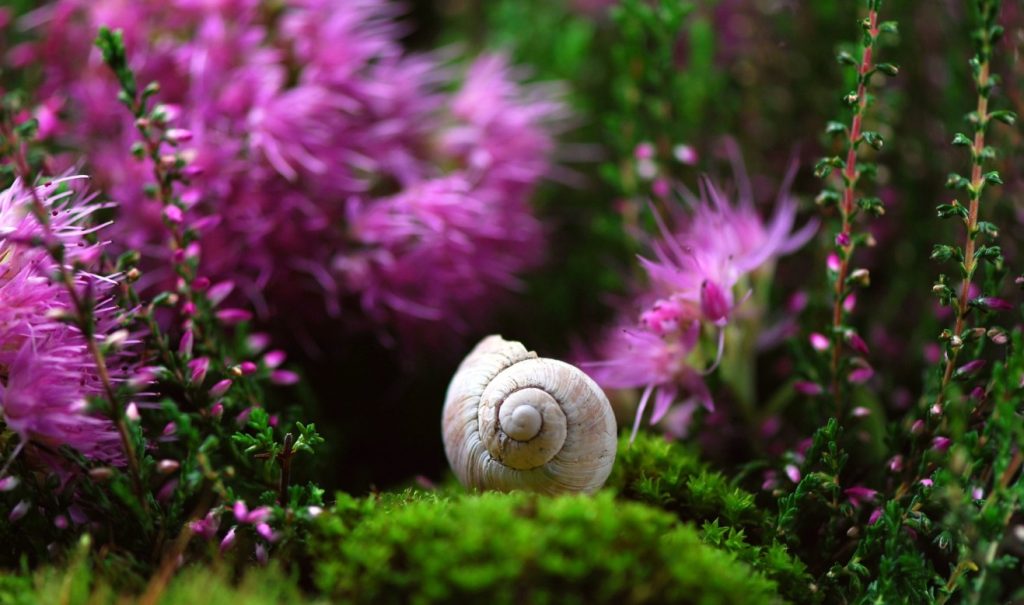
<point x="970" y="263"/>
<point x="847" y="206"/>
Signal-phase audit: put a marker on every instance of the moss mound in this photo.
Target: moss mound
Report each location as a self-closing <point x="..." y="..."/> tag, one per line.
<point x="522" y="548"/>
<point x="672" y="477"/>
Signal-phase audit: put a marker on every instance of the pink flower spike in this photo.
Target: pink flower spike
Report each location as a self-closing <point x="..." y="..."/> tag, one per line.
<point x="819" y="341"/>
<point x="218" y="390"/>
<point x="231" y="317"/>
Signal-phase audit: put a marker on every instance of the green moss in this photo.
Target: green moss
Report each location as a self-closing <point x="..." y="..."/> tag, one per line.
<point x="522" y="548"/>
<point x="78" y="585"/>
<point x="672" y="477"/>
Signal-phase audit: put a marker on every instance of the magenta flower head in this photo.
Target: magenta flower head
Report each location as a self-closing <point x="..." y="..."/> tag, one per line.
<point x="319" y="154"/>
<point x="695" y="278"/>
<point x="46" y="371"/>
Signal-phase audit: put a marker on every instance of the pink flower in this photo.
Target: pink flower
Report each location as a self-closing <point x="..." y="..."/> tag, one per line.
<point x="859" y="494"/>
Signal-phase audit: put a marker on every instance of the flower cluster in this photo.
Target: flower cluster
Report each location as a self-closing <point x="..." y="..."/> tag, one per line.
<point x="699" y="277"/>
<point x="332" y="165"/>
<point x="47" y="372"/>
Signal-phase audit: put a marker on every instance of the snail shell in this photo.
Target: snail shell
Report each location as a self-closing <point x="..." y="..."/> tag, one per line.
<point x="513" y="420"/>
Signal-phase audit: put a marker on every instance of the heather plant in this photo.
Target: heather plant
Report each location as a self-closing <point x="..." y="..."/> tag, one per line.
<point x="816" y="373"/>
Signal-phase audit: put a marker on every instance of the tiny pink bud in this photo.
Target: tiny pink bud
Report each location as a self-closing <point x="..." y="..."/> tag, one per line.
<point x="661" y="187"/>
<point x="842" y="239"/>
<point x="200" y="283"/>
<point x="819" y="341"/>
<point x="228" y="541"/>
<point x="264" y="530"/>
<point x="19" y="511"/>
<point x="60" y="522"/>
<point x="199" y="367"/>
<point x="261" y="554"/>
<point x="188" y="309"/>
<point x="243" y="416"/>
<point x="940" y="443"/>
<point x="936" y="409"/>
<point x="166" y="466"/>
<point x="793" y="473"/>
<point x="132" y="412"/>
<point x="284" y="377"/>
<point x="970" y="368"/>
<point x="713" y="303"/>
<point x="833" y="262"/>
<point x="875" y="516"/>
<point x="927" y="482"/>
<point x="274" y="420"/>
<point x="173" y="214"/>
<point x="241" y="511"/>
<point x="220" y="388"/>
<point x="314" y="511"/>
<point x="8" y="483"/>
<point x="917" y="427"/>
<point x="861" y="412"/>
<point x="994" y="304"/>
<point x="978" y="493"/>
<point x="247" y="368"/>
<point x="178" y="135"/>
<point x="797" y="302"/>
<point x="185" y="345"/>
<point x="685" y="154"/>
<point x="856" y="342"/>
<point x="850" y="302"/>
<point x="808" y="388"/>
<point x="896" y="463"/>
<point x="169" y="429"/>
<point x="220" y="291"/>
<point x="233" y="316"/>
<point x="217" y="410"/>
<point x="274" y="358"/>
<point x="644" y="151"/>
<point x="861" y="375"/>
<point x="258" y="341"/>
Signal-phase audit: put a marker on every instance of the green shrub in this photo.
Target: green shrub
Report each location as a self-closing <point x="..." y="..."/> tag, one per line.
<point x="522" y="548"/>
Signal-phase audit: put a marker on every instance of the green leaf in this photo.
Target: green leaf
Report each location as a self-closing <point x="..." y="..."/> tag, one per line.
<point x="962" y="140"/>
<point x="1005" y="116"/>
<point x="993" y="178"/>
<point x="873" y="138"/>
<point x="888" y="69"/>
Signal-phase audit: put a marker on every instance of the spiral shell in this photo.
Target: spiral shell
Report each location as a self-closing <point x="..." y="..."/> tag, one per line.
<point x="513" y="420"/>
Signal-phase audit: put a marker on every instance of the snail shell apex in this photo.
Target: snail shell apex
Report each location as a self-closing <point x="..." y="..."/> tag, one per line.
<point x="513" y="420"/>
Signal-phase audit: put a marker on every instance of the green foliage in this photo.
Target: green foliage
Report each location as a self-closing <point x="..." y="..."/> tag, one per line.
<point x="522" y="548"/>
<point x="670" y="476"/>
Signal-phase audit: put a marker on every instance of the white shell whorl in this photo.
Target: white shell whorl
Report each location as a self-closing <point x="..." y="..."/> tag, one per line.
<point x="515" y="421"/>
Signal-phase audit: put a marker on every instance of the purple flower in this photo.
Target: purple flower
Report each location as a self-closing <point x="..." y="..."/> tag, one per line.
<point x="295" y="125"/>
<point x="859" y="494"/>
<point x="47" y="369"/>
